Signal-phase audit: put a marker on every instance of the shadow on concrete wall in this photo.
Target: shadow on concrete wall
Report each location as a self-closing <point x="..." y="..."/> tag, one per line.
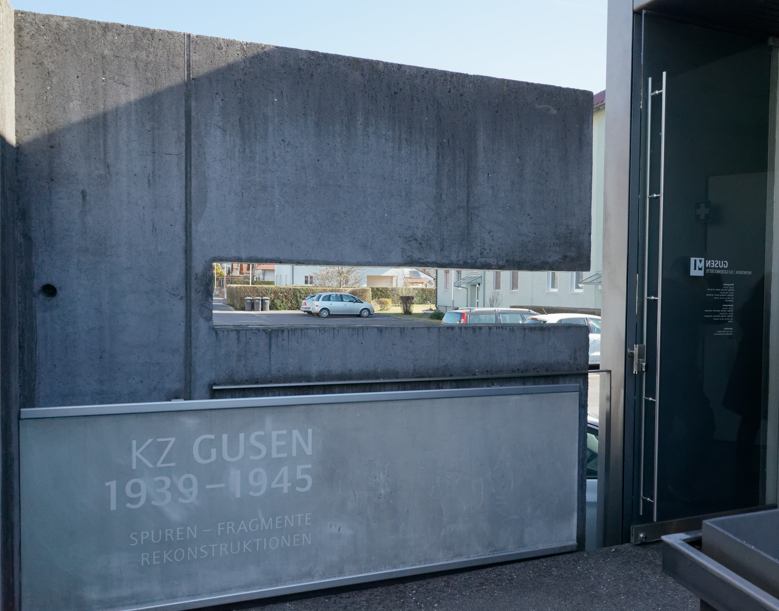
<point x="146" y="159"/>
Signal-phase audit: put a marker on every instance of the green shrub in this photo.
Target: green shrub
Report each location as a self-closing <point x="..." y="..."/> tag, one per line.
<point x="437" y="315"/>
<point x="287" y="297"/>
<point x="384" y="304"/>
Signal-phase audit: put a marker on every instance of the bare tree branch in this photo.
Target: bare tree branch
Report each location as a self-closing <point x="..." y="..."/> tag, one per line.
<point x="338" y="275"/>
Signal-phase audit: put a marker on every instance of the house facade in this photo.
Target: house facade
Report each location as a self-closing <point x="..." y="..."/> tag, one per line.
<point x="304" y="275"/>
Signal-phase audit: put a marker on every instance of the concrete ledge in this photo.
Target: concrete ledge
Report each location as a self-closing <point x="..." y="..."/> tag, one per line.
<point x="306" y="354"/>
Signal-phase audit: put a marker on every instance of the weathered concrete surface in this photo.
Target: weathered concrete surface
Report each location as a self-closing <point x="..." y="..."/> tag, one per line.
<point x="313" y="158"/>
<point x="304" y="354"/>
<point x="100" y="128"/>
<point x="133" y="178"/>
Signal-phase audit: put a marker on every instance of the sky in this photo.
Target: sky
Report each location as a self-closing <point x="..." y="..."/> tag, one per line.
<point x="556" y="42"/>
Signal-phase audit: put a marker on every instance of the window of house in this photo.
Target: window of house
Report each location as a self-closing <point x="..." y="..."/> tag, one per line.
<point x="308" y="279"/>
<point x="514" y="281"/>
<point x="576" y="282"/>
<point x="552" y="282"/>
<point x="446" y="278"/>
<point x="458" y="275"/>
<point x="496" y="284"/>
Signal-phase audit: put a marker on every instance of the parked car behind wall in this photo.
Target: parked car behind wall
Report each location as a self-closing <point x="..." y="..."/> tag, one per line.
<point x="504" y="316"/>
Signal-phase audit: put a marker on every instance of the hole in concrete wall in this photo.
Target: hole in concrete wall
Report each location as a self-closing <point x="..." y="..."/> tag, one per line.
<point x="49" y="291"/>
<point x="375" y="295"/>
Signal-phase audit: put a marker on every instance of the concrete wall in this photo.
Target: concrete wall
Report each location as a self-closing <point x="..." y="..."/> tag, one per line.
<point x="532" y="287"/>
<point x="133" y="158"/>
<point x="144" y="160"/>
<point x="242" y="355"/>
<point x="101" y="179"/>
<point x="356" y="162"/>
<point x="598" y="174"/>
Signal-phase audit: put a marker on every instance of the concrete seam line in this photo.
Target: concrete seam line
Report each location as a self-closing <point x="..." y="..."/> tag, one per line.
<point x="188" y="215"/>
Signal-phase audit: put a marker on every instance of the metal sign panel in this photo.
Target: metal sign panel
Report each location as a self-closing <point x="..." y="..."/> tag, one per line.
<point x="182" y="505"/>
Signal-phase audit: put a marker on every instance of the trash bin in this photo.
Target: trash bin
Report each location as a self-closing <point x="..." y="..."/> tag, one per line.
<point x="257" y="303"/>
<point x="247" y="304"/>
<point x="266" y="304"/>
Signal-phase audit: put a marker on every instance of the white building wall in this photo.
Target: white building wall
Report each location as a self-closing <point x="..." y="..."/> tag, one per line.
<point x="294" y="275"/>
<point x="531" y="292"/>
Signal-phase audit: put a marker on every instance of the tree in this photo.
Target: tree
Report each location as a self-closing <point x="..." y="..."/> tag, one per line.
<point x="338" y="275"/>
<point x="219" y="272"/>
<point x="495" y="299"/>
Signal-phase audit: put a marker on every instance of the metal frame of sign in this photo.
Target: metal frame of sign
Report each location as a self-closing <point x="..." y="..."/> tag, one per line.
<point x="189" y="406"/>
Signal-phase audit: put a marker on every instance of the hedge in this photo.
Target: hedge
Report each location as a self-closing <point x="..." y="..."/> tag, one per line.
<point x="421" y="296"/>
<point x="287" y="297"/>
<point x="242" y="281"/>
<point x="384" y="304"/>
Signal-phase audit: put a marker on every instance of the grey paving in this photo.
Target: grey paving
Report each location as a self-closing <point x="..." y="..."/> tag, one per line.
<point x="622" y="578"/>
<point x="224" y="316"/>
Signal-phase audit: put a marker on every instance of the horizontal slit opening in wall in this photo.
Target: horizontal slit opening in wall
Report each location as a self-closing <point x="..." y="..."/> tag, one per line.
<point x="257" y="294"/>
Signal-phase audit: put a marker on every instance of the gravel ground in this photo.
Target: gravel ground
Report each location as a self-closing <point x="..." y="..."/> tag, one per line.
<point x="621" y="578"/>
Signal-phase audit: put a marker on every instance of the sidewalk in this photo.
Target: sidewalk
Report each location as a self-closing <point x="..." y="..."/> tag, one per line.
<point x="225" y="316"/>
<point x="622" y="578"/>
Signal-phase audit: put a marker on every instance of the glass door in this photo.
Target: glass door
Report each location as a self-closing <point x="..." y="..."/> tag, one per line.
<point x="703" y="312"/>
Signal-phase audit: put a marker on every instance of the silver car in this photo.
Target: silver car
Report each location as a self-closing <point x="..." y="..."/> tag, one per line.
<point x="504" y="316"/>
<point x="334" y="304"/>
<point x="307" y="304"/>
